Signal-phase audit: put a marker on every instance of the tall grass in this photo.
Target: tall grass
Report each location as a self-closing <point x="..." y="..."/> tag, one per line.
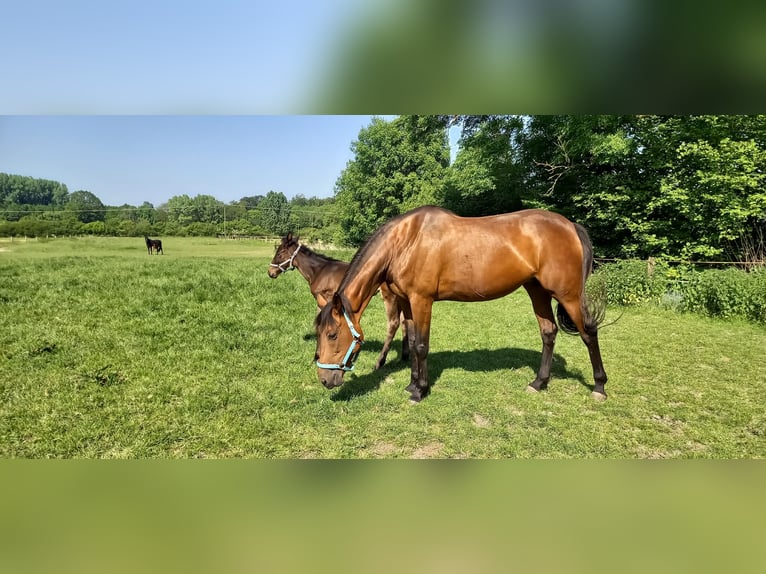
<point x="106" y="352"/>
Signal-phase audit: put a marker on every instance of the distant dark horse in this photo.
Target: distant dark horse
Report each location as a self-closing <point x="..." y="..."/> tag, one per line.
<point x="430" y="254"/>
<point x="155" y="244"/>
<point x="324" y="275"/>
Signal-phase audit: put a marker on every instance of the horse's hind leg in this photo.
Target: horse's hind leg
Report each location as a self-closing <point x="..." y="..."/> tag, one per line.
<point x="541" y="303"/>
<point x="393" y="318"/>
<point x="589" y="335"/>
<point x="590" y="338"/>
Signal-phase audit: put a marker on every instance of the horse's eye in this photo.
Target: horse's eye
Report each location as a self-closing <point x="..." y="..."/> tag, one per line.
<point x="332" y="336"/>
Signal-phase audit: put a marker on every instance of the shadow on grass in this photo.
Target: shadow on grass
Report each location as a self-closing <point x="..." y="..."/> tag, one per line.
<point x="476" y="361"/>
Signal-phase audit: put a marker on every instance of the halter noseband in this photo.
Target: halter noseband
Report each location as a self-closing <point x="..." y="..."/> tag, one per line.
<point x="347" y="364"/>
<point x="288" y="262"/>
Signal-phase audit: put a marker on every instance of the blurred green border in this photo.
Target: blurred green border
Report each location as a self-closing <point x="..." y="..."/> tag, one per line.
<point x="434" y="516"/>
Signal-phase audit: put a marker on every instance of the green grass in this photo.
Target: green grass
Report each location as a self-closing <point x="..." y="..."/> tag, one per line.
<point x="106" y="352"/>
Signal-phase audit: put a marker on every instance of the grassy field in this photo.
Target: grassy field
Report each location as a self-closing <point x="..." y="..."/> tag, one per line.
<point x="106" y="352"/>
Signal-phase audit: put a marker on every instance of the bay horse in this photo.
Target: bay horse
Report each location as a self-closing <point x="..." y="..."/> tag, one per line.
<point x="323" y="275"/>
<point x="155" y="244"/>
<point x="430" y="254"/>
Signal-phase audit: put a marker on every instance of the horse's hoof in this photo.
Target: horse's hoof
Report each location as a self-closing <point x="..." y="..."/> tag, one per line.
<point x="598" y="396"/>
<point x="531" y="389"/>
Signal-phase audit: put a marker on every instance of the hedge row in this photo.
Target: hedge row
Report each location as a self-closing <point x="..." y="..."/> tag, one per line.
<point x="725" y="293"/>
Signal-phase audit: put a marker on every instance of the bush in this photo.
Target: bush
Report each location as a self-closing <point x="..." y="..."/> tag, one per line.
<point x="727" y="293"/>
<point x="199" y="229"/>
<point x="629" y="282"/>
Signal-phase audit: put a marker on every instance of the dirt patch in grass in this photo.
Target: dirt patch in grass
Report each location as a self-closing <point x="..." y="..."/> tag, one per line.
<point x="431" y="450"/>
<point x="383" y="449"/>
<point x="480" y="421"/>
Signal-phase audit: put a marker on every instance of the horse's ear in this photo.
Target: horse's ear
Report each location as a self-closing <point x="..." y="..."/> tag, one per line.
<point x="289" y="237"/>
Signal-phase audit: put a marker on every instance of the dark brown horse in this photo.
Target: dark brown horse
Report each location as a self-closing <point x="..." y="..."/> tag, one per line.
<point x="324" y="275"/>
<point x="155" y="244"/>
<point x="430" y="254"/>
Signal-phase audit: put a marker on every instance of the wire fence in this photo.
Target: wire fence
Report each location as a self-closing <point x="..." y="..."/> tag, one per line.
<point x="652" y="261"/>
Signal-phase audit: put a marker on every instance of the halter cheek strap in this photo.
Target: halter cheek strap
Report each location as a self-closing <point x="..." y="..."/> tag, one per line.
<point x="288" y="262"/>
<point x="347" y="364"/>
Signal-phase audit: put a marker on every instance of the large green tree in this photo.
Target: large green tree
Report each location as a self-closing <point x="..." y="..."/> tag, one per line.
<point x="682" y="186"/>
<point x="487" y="175"/>
<point x="274" y="213"/>
<point x="398" y="165"/>
<point x="23" y="190"/>
<point x="179" y="209"/>
<point x="585" y="168"/>
<point x="86" y="206"/>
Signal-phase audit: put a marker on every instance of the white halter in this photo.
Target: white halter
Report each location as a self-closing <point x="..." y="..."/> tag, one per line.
<point x="288" y="262"/>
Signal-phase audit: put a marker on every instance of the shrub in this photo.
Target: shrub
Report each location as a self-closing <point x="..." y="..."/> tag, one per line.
<point x="723" y="293"/>
<point x="727" y="293"/>
<point x="630" y="282"/>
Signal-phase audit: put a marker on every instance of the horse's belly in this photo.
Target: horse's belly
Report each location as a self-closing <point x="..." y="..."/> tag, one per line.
<point x="474" y="291"/>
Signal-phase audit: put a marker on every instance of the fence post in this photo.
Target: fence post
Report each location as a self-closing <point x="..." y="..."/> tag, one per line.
<point x="650" y="267"/>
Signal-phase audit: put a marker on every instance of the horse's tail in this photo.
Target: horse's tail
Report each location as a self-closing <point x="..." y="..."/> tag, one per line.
<point x="593" y="300"/>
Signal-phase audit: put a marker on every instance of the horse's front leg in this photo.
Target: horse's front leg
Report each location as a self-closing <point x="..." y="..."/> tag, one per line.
<point x="405" y="339"/>
<point x="418" y="333"/>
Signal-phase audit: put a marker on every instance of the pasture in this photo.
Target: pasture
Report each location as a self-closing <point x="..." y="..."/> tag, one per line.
<point x="107" y="352"/>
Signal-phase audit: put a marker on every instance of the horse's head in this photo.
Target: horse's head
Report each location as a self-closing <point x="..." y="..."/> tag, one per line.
<point x="338" y="342"/>
<point x="284" y="256"/>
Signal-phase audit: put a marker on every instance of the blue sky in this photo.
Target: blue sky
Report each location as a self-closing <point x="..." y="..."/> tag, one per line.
<point x="167" y="56"/>
<point x="132" y="159"/>
<point x="141" y="100"/>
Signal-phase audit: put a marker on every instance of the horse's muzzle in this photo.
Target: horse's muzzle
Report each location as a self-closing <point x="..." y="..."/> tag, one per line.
<point x="273" y="272"/>
<point x="331" y="378"/>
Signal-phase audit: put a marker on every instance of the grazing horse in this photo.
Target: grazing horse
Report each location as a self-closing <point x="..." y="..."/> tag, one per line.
<point x="430" y="254"/>
<point x="324" y="275"/>
<point x="155" y="244"/>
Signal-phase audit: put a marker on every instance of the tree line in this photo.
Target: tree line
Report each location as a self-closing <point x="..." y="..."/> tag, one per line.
<point x="690" y="187"/>
<point x="37" y="207"/>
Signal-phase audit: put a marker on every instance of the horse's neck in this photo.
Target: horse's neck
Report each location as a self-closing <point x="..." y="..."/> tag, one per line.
<point x="308" y="264"/>
<point x="363" y="284"/>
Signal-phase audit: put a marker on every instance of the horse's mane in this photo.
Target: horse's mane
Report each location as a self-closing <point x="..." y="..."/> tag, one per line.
<point x="325" y="314"/>
<point x="371" y="244"/>
<point x="319" y="255"/>
<point x="294" y="242"/>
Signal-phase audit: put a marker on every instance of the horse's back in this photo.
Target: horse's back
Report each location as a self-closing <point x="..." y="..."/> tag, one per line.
<point x="446" y="256"/>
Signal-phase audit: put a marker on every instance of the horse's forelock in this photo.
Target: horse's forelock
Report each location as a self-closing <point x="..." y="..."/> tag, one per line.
<point x="324" y="317"/>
